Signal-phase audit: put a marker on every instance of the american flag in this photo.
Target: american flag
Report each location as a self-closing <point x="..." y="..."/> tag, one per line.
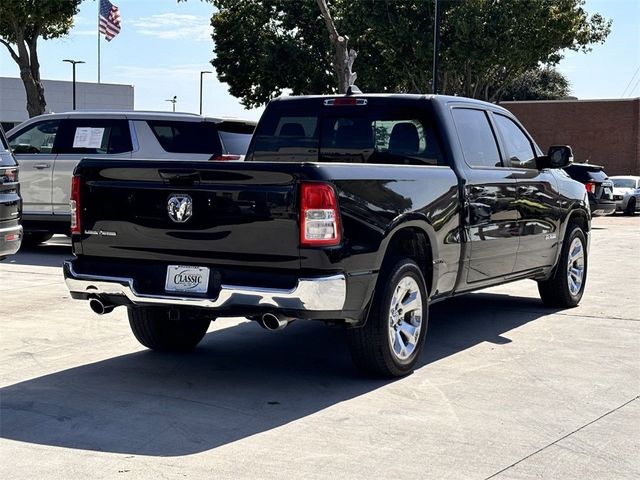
<point x="109" y="19"/>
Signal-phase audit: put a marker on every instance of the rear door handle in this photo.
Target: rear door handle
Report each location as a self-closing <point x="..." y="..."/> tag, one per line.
<point x="41" y="166"/>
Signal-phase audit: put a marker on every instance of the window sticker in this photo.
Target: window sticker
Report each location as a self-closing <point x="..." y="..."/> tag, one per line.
<point x="87" y="137"/>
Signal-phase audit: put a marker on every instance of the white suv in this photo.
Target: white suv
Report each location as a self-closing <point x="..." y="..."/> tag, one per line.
<point x="48" y="148"/>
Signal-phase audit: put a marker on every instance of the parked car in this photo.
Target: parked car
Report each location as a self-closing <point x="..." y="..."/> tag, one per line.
<point x="626" y="193"/>
<point x="356" y="210"/>
<point x="599" y="187"/>
<point x="48" y="148"/>
<point x="10" y="201"/>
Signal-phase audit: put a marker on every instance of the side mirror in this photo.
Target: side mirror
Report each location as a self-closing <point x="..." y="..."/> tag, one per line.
<point x="558" y="156"/>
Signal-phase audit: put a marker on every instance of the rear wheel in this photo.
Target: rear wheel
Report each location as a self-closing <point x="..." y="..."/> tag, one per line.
<point x="631" y="206"/>
<point x="567" y="285"/>
<point x="154" y="329"/>
<point x="390" y="342"/>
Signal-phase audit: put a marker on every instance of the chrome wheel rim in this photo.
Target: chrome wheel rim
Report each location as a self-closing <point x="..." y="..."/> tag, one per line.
<point x="405" y="318"/>
<point x="575" y="267"/>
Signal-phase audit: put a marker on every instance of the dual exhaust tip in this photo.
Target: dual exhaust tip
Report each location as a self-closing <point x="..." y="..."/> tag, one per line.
<point x="268" y="321"/>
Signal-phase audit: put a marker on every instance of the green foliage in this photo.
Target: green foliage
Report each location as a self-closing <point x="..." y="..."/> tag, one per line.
<point x="36" y="18"/>
<point x="263" y="47"/>
<point x="537" y="84"/>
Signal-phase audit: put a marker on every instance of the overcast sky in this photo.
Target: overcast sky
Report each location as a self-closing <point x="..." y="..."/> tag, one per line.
<point x="164" y="45"/>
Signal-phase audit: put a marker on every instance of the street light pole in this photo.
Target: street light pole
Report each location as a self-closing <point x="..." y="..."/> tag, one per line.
<point x="73" y="63"/>
<point x="436" y="47"/>
<point x="201" y="74"/>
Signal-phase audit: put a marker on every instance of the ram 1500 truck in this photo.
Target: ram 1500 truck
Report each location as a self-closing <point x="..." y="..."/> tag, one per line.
<point x="357" y="210"/>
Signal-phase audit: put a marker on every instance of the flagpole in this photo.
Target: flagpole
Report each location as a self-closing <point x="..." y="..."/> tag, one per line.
<point x="98" y="3"/>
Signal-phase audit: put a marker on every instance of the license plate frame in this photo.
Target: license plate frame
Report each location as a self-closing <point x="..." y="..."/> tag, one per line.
<point x="187" y="279"/>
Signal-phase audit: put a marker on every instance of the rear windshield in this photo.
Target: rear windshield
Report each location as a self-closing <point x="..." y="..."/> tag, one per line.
<point x="309" y="131"/>
<point x="586" y="173"/>
<point x="624" y="182"/>
<point x="187" y="137"/>
<point x="235" y="136"/>
<point x="5" y="154"/>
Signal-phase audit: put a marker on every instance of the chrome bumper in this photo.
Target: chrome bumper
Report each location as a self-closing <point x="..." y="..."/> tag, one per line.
<point x="313" y="294"/>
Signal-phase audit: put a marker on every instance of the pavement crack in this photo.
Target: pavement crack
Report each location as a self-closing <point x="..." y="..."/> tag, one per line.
<point x="562" y="438"/>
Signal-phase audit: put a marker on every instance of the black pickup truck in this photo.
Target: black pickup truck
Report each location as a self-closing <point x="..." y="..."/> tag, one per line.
<point x="357" y="210"/>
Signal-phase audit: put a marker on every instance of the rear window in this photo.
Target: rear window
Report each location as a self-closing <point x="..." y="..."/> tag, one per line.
<point x="309" y="131"/>
<point x="586" y="173"/>
<point x="187" y="137"/>
<point x="5" y="154"/>
<point x="235" y="136"/>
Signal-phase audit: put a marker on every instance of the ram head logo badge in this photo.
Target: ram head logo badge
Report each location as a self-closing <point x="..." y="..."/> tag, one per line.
<point x="179" y="207"/>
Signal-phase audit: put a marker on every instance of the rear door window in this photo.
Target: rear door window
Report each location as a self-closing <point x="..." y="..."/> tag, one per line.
<point x="36" y="138"/>
<point x="477" y="139"/>
<point x="187" y="137"/>
<point x="94" y="137"/>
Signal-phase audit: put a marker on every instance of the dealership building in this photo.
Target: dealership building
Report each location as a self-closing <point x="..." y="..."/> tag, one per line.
<point x="59" y="97"/>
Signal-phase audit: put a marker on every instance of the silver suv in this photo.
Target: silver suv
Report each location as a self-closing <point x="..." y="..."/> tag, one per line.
<point x="48" y="148"/>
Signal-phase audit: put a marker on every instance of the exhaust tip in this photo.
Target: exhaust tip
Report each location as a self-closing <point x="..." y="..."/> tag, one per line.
<point x="272" y="322"/>
<point x="99" y="307"/>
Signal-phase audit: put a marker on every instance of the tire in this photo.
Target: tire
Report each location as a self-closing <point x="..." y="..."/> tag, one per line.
<point x="371" y="345"/>
<point x="565" y="288"/>
<point x="631" y="206"/>
<point x="155" y="330"/>
<point x="33" y="239"/>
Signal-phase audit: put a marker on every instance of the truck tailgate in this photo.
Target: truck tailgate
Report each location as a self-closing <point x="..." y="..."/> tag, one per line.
<point x="207" y="212"/>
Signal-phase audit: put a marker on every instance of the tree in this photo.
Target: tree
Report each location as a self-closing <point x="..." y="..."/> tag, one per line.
<point x="344" y="57"/>
<point x="263" y="47"/>
<point x="537" y="84"/>
<point x="22" y="23"/>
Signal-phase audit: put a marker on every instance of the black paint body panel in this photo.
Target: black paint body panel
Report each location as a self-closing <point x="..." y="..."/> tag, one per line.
<point x="484" y="226"/>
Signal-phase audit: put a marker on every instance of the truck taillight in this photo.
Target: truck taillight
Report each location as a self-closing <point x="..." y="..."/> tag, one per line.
<point x="10" y="175"/>
<point x="591" y="187"/>
<point x="74" y="203"/>
<point x="319" y="215"/>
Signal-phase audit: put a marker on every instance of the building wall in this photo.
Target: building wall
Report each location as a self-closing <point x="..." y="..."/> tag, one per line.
<point x="59" y="97"/>
<point x="603" y="132"/>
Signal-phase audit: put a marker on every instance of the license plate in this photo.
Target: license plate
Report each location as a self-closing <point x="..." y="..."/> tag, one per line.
<point x="183" y="278"/>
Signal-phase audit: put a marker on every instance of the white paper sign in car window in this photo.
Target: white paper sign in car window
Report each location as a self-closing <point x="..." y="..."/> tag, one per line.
<point x="88" y="137"/>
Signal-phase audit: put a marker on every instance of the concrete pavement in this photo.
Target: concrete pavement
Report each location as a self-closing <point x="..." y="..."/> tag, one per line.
<point x="506" y="388"/>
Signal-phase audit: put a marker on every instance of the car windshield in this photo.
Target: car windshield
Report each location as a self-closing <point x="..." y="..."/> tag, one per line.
<point x="313" y="130"/>
<point x="624" y="182"/>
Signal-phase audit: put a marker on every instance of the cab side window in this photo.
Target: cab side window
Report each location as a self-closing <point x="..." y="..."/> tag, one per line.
<point x="94" y="136"/>
<point x="476" y="138"/>
<point x="38" y="138"/>
<point x="520" y="152"/>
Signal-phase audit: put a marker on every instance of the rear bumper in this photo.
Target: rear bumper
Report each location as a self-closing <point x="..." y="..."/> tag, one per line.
<point x="10" y="240"/>
<point x="602" y="207"/>
<point x="310" y="294"/>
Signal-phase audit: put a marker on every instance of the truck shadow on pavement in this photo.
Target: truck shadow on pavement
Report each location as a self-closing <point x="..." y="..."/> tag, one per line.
<point x="240" y="382"/>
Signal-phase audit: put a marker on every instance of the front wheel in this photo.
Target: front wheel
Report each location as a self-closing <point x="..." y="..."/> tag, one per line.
<point x="631" y="206"/>
<point x="566" y="287"/>
<point x="390" y="342"/>
<point x="154" y="329"/>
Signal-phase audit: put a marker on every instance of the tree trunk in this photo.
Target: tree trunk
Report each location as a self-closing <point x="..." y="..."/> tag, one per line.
<point x="29" y="73"/>
<point x="343" y="57"/>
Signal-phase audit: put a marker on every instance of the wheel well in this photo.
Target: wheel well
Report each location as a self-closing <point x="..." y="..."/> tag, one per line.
<point x="579" y="218"/>
<point x="412" y="243"/>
